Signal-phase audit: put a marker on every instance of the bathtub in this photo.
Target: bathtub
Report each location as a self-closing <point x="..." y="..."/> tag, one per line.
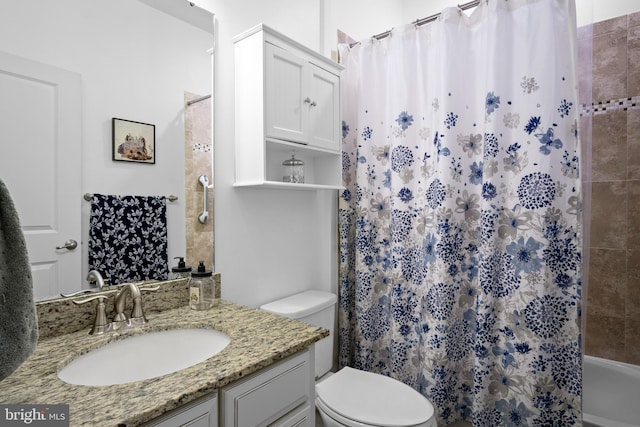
<point x="610" y="393"/>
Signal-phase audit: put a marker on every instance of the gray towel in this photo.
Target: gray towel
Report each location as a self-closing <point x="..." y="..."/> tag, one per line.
<point x="18" y="318"/>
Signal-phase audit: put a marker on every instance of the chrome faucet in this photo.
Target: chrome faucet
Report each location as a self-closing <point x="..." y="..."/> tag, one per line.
<point x="94" y="276"/>
<point x="120" y="319"/>
<point x="121" y="299"/>
<point x="137" y="314"/>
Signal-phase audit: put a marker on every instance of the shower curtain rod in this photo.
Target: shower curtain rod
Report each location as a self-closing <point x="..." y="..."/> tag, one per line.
<point x="426" y="20"/>
<point x="202" y="98"/>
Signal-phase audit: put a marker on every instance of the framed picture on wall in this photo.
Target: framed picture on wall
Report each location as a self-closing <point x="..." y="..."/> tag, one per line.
<point x="133" y="141"/>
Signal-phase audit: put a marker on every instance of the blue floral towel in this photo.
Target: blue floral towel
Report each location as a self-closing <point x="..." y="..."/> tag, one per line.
<point x="128" y="238"/>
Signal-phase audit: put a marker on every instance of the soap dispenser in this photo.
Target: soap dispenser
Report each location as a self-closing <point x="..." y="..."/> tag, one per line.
<point x="201" y="289"/>
<point x="181" y="271"/>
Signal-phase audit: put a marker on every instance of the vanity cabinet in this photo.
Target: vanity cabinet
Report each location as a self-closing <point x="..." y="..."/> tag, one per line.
<point x="282" y="395"/>
<point x="201" y="413"/>
<point x="287" y="101"/>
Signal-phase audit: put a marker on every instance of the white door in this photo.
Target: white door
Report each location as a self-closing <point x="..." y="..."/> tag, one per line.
<point x="40" y="163"/>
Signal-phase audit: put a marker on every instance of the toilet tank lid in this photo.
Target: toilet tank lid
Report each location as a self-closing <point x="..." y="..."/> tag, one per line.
<point x="301" y="305"/>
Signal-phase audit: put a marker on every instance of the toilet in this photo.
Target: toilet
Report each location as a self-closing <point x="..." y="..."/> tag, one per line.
<point x="351" y="397"/>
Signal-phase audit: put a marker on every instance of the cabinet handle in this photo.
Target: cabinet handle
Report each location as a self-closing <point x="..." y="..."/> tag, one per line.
<point x="313" y="103"/>
<point x="307" y="100"/>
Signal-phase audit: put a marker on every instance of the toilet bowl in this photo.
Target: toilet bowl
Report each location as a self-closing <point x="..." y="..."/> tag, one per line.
<point x="351" y="397"/>
<point x="357" y="398"/>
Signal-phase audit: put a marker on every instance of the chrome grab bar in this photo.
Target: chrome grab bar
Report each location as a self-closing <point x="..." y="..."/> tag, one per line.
<point x="204" y="215"/>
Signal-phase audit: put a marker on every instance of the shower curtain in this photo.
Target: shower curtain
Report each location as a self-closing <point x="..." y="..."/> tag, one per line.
<point x="460" y="224"/>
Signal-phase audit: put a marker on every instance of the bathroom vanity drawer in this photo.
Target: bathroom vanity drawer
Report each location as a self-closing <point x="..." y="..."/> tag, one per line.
<point x="270" y="394"/>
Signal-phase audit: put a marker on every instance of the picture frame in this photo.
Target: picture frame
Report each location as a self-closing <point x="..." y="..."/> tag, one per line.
<point x="133" y="141"/>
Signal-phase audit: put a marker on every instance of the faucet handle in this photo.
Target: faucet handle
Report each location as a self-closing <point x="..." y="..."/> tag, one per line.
<point x="100" y="323"/>
<point x="137" y="312"/>
<point x="75" y="294"/>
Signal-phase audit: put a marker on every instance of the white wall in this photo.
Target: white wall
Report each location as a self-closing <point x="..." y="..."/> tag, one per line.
<point x="589" y="11"/>
<point x="135" y="63"/>
<point x="359" y="19"/>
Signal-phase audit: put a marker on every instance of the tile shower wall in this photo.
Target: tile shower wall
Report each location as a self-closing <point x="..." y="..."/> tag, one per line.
<point x="198" y="155"/>
<point x="613" y="302"/>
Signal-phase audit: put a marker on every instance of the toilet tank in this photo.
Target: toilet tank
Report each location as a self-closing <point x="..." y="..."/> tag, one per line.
<point x="316" y="308"/>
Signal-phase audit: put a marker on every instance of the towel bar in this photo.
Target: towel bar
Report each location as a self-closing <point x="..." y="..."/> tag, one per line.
<point x="170" y="197"/>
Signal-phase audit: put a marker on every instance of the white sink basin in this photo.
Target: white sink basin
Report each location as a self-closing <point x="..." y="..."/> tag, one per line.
<point x="142" y="357"/>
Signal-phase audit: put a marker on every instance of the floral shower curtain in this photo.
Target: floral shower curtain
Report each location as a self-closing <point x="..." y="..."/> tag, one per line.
<point x="460" y="224"/>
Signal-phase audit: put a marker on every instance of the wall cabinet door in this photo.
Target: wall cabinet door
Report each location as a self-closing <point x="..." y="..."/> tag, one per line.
<point x="324" y="109"/>
<point x="286" y="112"/>
<point x="302" y="100"/>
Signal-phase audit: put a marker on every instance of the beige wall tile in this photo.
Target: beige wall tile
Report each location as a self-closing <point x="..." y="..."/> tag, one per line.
<point x="610" y="25"/>
<point x="607" y="282"/>
<point x="633" y="234"/>
<point x="633" y="144"/>
<point x="609" y="146"/>
<point x="632" y="302"/>
<point x="632" y="343"/>
<point x="633" y="61"/>
<point x="613" y="307"/>
<point x="198" y="161"/>
<point x="609" y="215"/>
<point x="606" y="337"/>
<point x="610" y="66"/>
<point x="634" y="20"/>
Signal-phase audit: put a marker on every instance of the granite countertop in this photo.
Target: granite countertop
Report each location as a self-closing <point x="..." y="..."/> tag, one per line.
<point x="258" y="339"/>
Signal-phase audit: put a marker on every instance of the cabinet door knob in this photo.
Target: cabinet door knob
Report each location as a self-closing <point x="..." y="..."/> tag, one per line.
<point x="313" y="103"/>
<point x="307" y="100"/>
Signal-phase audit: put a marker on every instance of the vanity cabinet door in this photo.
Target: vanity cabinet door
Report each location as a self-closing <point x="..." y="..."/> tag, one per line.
<point x="201" y="413"/>
<point x="281" y="394"/>
<point x="297" y="418"/>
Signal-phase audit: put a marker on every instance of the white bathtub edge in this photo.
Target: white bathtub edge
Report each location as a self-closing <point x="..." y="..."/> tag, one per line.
<point x="592" y="420"/>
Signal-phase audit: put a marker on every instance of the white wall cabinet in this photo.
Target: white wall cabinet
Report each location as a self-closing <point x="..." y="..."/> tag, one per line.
<point x="281" y="395"/>
<point x="287" y="101"/>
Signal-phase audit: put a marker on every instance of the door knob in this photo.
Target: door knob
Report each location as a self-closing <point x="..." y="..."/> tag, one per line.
<point x="69" y="244"/>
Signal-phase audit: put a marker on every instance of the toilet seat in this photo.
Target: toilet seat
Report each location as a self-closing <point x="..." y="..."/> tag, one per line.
<point x="358" y="398"/>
